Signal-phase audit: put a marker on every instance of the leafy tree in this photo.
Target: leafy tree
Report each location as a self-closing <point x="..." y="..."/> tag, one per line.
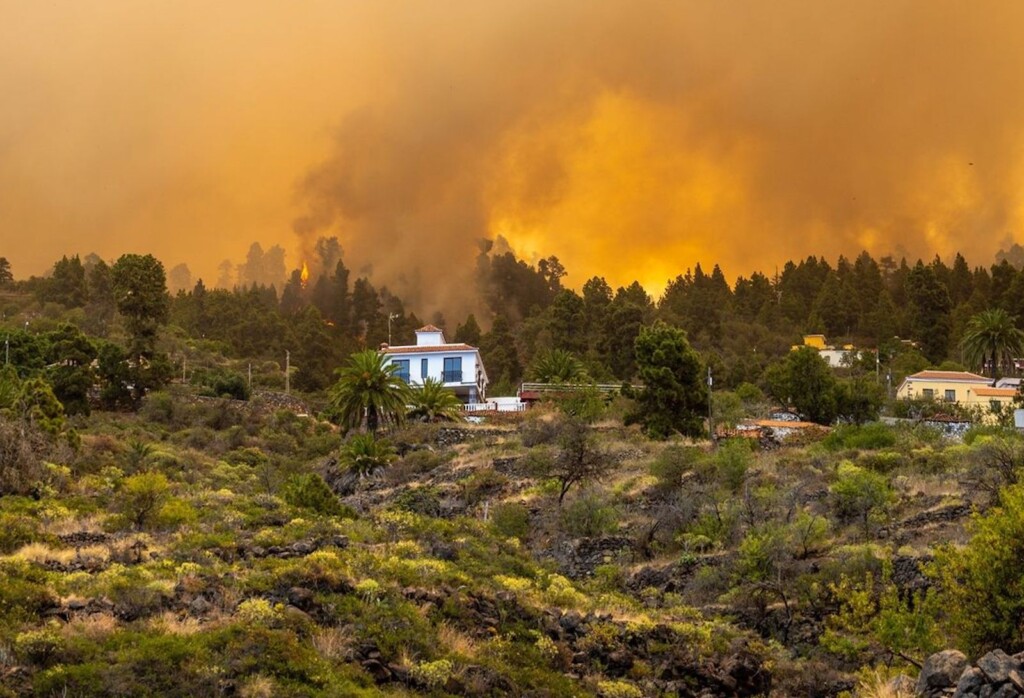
<point x="675" y="394"/>
<point x="316" y="350"/>
<point x="369" y="389"/>
<point x="140" y="291"/>
<point x="6" y="276"/>
<point x="578" y="460"/>
<point x="39" y="407"/>
<point x="858" y="400"/>
<point x="10" y="386"/>
<point x="115" y="375"/>
<point x="992" y="340"/>
<point x="141" y="496"/>
<point x="804" y="380"/>
<point x="930" y="306"/>
<point x="70" y="368"/>
<point x="469" y="332"/>
<point x="981" y="594"/>
<point x="99" y="311"/>
<point x="432" y="402"/>
<point x="557" y="366"/>
<point x="67" y="286"/>
<point x="498" y="348"/>
<point x="857" y="493"/>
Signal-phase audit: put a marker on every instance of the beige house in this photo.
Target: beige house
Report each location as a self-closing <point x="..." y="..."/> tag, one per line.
<point x="965" y="389"/>
<point x="947" y="386"/>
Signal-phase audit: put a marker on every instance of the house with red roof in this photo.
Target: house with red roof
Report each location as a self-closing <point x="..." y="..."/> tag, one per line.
<point x="946" y="386"/>
<point x="458" y="366"/>
<point x="960" y="387"/>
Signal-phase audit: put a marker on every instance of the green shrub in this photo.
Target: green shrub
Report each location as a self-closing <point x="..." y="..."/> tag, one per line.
<point x="865" y="437"/>
<point x="882" y="461"/>
<point x="175" y="512"/>
<point x="672" y="463"/>
<point x="588" y="516"/>
<point x="733" y="460"/>
<point x="16" y="530"/>
<point x="432" y="674"/>
<point x="365" y="455"/>
<point x="980" y="583"/>
<point x="141" y="496"/>
<point x="482" y="484"/>
<point x="425" y="501"/>
<point x="857" y="492"/>
<point x="511" y="520"/>
<point x="311" y="492"/>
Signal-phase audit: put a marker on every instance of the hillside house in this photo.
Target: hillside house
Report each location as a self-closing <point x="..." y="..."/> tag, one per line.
<point x="833" y="356"/>
<point x="948" y="386"/>
<point x="964" y="389"/>
<point x="458" y="366"/>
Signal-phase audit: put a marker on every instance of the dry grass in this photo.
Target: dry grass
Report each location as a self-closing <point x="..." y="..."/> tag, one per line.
<point x="67" y="526"/>
<point x="456" y="641"/>
<point x="173" y="624"/>
<point x="876" y="683"/>
<point x="40" y="553"/>
<point x="94" y="626"/>
<point x="258" y="687"/>
<point x="333" y="644"/>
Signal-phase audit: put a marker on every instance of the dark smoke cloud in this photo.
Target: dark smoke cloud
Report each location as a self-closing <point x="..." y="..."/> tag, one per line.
<point x="630" y="139"/>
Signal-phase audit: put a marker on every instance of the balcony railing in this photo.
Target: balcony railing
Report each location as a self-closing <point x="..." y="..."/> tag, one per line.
<point x="451" y="376"/>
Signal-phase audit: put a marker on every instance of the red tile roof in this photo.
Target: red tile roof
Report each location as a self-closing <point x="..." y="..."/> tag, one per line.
<point x="963" y="376"/>
<point x="420" y="349"/>
<point x="429" y="328"/>
<point x="995" y="392"/>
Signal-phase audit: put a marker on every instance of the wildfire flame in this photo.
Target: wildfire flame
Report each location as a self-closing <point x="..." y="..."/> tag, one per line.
<point x="304" y="276"/>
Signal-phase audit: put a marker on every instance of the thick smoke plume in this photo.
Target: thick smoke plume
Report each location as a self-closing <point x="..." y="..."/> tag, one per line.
<point x="631" y="139"/>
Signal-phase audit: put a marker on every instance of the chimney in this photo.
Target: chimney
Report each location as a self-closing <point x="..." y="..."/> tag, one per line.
<point x="383" y="346"/>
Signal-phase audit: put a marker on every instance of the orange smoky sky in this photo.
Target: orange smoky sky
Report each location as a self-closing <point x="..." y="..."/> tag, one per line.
<point x="630" y="139"/>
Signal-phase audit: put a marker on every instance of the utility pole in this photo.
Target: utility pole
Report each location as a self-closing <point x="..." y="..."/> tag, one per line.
<point x="287" y="372"/>
<point x="250" y="375"/>
<point x="7" y="349"/>
<point x="391" y="316"/>
<point x="711" y="423"/>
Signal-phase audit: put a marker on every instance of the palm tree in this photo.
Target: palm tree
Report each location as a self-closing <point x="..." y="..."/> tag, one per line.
<point x="434" y="403"/>
<point x="365" y="456"/>
<point x="558" y="366"/>
<point x="369" y="387"/>
<point x="992" y="336"/>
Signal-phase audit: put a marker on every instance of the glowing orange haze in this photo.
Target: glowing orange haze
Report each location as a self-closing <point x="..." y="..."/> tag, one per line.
<point x="631" y="139"/>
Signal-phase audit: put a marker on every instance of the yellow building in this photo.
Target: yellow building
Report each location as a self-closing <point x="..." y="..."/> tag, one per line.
<point x="817" y="341"/>
<point x="949" y="386"/>
<point x="993" y="398"/>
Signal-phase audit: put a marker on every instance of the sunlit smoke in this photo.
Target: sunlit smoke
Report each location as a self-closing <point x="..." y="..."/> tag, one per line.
<point x="632" y="140"/>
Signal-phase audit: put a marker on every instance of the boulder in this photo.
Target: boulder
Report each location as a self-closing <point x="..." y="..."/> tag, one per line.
<point x="970" y="683"/>
<point x="942" y="670"/>
<point x="997" y="666"/>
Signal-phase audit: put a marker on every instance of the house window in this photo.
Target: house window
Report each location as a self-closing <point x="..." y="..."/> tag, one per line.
<point x="453" y="369"/>
<point x="423" y="369"/>
<point x="928" y="393"/>
<point x="950" y="396"/>
<point x="403" y="369"/>
<point x="995" y="405"/>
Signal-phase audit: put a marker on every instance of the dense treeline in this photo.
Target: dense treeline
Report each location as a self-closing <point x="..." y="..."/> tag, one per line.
<point x="739" y="328"/>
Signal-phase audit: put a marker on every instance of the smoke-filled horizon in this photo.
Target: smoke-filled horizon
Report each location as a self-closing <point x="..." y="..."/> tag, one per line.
<point x="632" y="140"/>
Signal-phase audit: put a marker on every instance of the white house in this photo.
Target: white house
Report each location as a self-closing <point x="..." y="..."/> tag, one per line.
<point x="458" y="366"/>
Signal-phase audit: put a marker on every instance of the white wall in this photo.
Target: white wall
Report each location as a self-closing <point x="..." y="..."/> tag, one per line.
<point x="435" y="365"/>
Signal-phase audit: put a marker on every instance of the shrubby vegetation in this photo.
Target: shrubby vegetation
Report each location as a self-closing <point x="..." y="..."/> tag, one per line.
<point x="168" y="528"/>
